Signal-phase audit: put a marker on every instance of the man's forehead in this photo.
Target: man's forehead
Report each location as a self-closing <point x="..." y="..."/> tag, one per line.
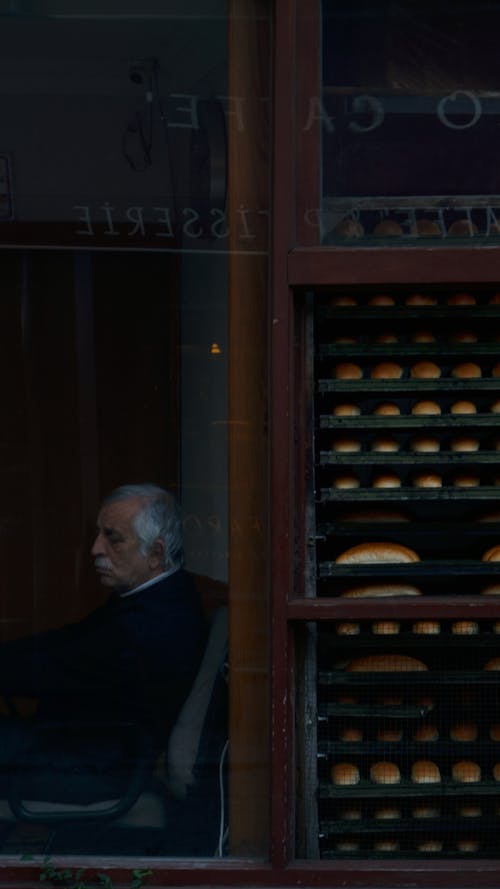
<point x="119" y="512"/>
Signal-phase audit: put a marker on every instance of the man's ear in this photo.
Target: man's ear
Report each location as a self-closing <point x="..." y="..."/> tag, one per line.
<point x="157" y="556"/>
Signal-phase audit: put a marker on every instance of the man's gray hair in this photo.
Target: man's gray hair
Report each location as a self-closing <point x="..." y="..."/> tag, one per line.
<point x="159" y="517"/>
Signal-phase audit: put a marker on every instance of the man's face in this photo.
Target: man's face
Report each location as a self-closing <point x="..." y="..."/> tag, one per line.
<point x="117" y="556"/>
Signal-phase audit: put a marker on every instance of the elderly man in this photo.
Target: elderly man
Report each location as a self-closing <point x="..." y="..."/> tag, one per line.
<point x="117" y="678"/>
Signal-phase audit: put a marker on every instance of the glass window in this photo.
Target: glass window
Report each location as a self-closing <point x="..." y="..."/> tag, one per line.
<point x="134" y="233"/>
<point x="404" y="124"/>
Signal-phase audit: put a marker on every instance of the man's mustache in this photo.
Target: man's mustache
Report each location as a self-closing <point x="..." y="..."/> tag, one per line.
<point x="102" y="562"/>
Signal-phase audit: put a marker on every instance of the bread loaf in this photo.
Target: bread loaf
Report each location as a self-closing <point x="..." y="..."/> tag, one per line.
<point x="492" y="554"/>
<point x="344" y="773"/>
<point x="463" y="407"/>
<point x="461" y="299"/>
<point x="386" y="480"/>
<point x="466" y="370"/>
<point x="346" y="481"/>
<point x="426" y="408"/>
<point x="349" y="228"/>
<point x="351" y="734"/>
<point x="427" y="480"/>
<point x="466" y="480"/>
<point x="421" y="299"/>
<point x="343" y="300"/>
<point x="425" y="733"/>
<point x="347" y="370"/>
<point x="426" y="228"/>
<point x="465" y="444"/>
<point x="346" y="410"/>
<point x="385" y="627"/>
<point x="423" y="336"/>
<point x="382" y="299"/>
<point x="388" y="228"/>
<point x="346" y="445"/>
<point x="464" y="336"/>
<point x="427" y="627"/>
<point x="389" y="735"/>
<point x="385" y="445"/>
<point x="384" y="338"/>
<point x="424" y="771"/>
<point x="425" y="370"/>
<point x="385" y="773"/>
<point x="463" y="228"/>
<point x="387" y="813"/>
<point x="387" y="370"/>
<point x="425" y="444"/>
<point x="381" y="591"/>
<point x="463" y="732"/>
<point x="385" y="663"/>
<point x="466" y="772"/>
<point x="348" y="628"/>
<point x="377" y="551"/>
<point x="387" y="409"/>
<point x="465" y="627"/>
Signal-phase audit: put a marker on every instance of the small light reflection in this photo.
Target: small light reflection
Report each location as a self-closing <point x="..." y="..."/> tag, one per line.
<point x="215" y="349"/>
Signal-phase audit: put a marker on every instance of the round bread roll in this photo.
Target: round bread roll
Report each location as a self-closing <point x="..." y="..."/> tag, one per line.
<point x="466" y="772"/>
<point x="346" y="410"/>
<point x="388" y="228"/>
<point x="385" y="627"/>
<point x="470" y="811"/>
<point x="346" y="445"/>
<point x="421" y="299"/>
<point x="496" y="625"/>
<point x="347" y="370"/>
<point x="495" y="370"/>
<point x="461" y="299"/>
<point x="427" y="480"/>
<point x="382" y="299"/>
<point x="425" y="370"/>
<point x="376" y="551"/>
<point x="423" y="336"/>
<point x="465" y="627"/>
<point x="386" y="846"/>
<point x="426" y="733"/>
<point x="351" y="814"/>
<point x="430" y="846"/>
<point x="426" y="228"/>
<point x="351" y="734"/>
<point x="348" y="628"/>
<point x="425" y="444"/>
<point x="346" y="846"/>
<point x="381" y="591"/>
<point x="345" y="340"/>
<point x="465" y="444"/>
<point x="387" y="813"/>
<point x="425" y="811"/>
<point x="349" y="228"/>
<point x="343" y="300"/>
<point x="495" y="407"/>
<point x="491" y="589"/>
<point x="464" y="336"/>
<point x="426" y="408"/>
<point x="384" y="338"/>
<point x="385" y="663"/>
<point x="385" y="445"/>
<point x="463" y="407"/>
<point x="466" y="480"/>
<point x="389" y="735"/>
<point x="468" y="845"/>
<point x="386" y="480"/>
<point x="463" y="228"/>
<point x="424" y="771"/>
<point x="387" y="370"/>
<point x="388" y="409"/>
<point x="346" y="481"/>
<point x="385" y="773"/>
<point x="345" y="773"/>
<point x="495" y="732"/>
<point x="427" y="627"/>
<point x="466" y="370"/>
<point x="492" y="554"/>
<point x="493" y="664"/>
<point x="463" y="732"/>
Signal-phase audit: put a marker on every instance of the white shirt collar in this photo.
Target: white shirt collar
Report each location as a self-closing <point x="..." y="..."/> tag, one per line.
<point x="148" y="583"/>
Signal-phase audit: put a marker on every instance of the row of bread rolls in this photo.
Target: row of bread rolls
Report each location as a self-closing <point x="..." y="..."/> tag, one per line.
<point x="420" y="370"/>
<point x="394" y="812"/>
<point x="421" y="335"/>
<point x="465" y="845"/>
<point x="418" y="444"/>
<point x="353" y="229"/>
<point x="418" y="480"/>
<point x="424" y="407"/>
<point x="422" y="771"/>
<point x="389" y="551"/>
<point x="461" y="732"/>
<point x="423" y="627"/>
<point x="416" y="299"/>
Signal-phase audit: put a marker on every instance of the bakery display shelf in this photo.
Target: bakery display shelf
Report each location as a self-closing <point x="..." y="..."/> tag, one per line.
<point x="415" y="529"/>
<point x="434" y="458"/>
<point x="366" y="422"/>
<point x="373" y="711"/>
<point x="433" y="567"/>
<point x="402" y="494"/>
<point x="407" y="679"/>
<point x="443" y="351"/>
<point x="405" y="788"/>
<point x="418" y="314"/>
<point x="417" y="750"/>
<point x="443" y="384"/>
<point x="368" y="641"/>
<point x="410" y="825"/>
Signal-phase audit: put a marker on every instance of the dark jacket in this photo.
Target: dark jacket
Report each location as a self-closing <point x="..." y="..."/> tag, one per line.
<point x="106" y="686"/>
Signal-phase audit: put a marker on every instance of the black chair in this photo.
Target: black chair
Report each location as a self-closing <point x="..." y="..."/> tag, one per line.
<point x="181" y="809"/>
